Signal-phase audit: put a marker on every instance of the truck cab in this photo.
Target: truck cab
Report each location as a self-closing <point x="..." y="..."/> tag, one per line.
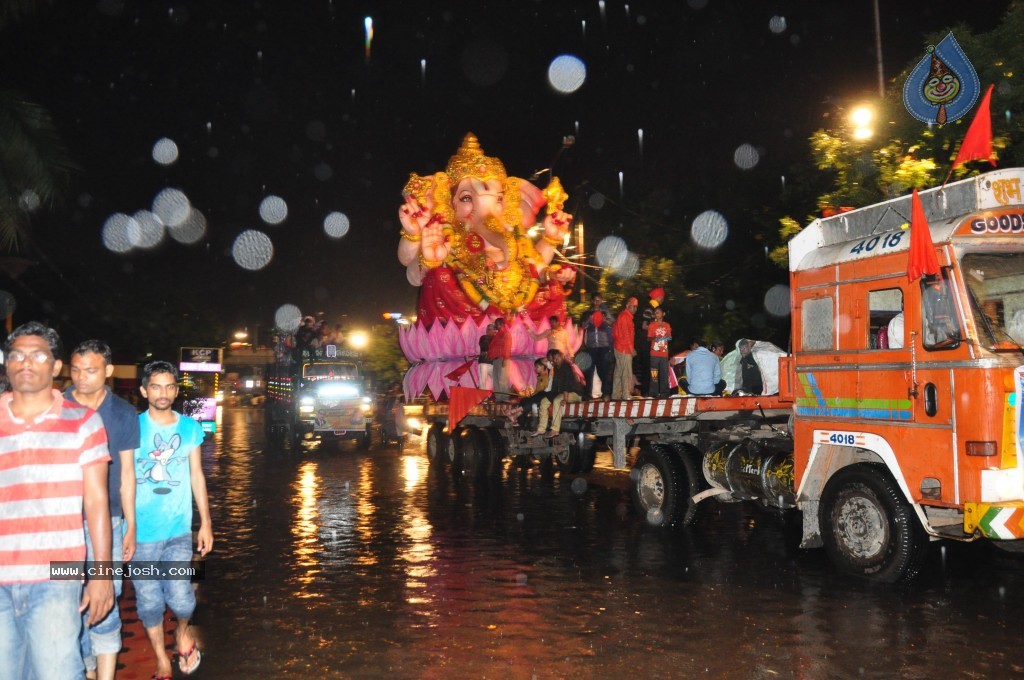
<point x="321" y="394"/>
<point x="907" y="393"/>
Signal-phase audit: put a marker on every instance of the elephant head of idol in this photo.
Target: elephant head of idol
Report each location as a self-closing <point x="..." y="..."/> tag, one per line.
<point x="489" y="207"/>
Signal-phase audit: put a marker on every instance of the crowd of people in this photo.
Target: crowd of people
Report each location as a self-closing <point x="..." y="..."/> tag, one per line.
<point x="87" y="486"/>
<point x="626" y="354"/>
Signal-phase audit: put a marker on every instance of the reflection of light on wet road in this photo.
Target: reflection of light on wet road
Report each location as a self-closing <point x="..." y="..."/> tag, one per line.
<point x="305" y="527"/>
<point x="365" y="509"/>
<point x="418" y="552"/>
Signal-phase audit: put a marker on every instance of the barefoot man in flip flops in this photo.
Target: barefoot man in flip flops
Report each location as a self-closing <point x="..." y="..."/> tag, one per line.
<point x="169" y="474"/>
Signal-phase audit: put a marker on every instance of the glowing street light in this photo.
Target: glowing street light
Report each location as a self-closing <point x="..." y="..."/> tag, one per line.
<point x="358" y="339"/>
<point x="861" y="117"/>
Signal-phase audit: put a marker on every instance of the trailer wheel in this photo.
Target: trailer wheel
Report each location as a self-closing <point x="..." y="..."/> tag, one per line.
<point x="495" y="451"/>
<point x="436" y="443"/>
<point x="453" y="451"/>
<point x="658" y="479"/>
<point x="474" y="452"/>
<point x="868" y="527"/>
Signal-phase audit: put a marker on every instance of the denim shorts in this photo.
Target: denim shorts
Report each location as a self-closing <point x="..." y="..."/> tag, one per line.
<point x="153" y="597"/>
<point x="105" y="636"/>
<point x="39" y="625"/>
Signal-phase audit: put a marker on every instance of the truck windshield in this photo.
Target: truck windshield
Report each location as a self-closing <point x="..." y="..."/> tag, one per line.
<point x="330" y="371"/>
<point x="996" y="285"/>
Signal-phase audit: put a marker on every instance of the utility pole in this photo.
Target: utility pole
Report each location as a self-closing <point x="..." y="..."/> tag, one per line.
<point x="878" y="52"/>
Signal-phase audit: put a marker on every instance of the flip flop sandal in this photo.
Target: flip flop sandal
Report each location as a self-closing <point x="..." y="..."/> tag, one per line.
<point x="183" y="659"/>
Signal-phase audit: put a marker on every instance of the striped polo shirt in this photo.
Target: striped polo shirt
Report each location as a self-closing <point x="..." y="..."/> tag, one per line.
<point x="41" y="485"/>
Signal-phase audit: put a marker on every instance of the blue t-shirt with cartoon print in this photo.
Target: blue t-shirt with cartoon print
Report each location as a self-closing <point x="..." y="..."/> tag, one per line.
<point x="163" y="497"/>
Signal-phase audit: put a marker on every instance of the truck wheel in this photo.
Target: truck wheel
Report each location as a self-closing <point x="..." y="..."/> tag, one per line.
<point x="436" y="443"/>
<point x="658" y="479"/>
<point x="494" y="450"/>
<point x="453" y="451"/>
<point x="868" y="527"/>
<point x="473" y="447"/>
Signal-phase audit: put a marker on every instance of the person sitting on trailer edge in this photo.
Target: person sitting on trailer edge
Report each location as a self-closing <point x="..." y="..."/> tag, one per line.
<point x="703" y="372"/>
<point x="565" y="388"/>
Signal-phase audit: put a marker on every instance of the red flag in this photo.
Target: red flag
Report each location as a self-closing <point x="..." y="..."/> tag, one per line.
<point x="922" y="258"/>
<point x="461" y="370"/>
<point x="977" y="144"/>
<point x="460" y="401"/>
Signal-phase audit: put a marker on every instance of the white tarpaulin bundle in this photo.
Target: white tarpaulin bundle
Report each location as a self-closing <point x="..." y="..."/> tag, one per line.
<point x="765" y="356"/>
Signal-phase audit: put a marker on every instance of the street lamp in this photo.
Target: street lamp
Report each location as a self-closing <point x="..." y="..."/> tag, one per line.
<point x="358" y="339"/>
<point x="861" y="117"/>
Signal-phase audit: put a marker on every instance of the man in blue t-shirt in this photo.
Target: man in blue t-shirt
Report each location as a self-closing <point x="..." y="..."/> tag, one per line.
<point x="703" y="371"/>
<point x="169" y="474"/>
<point x="90" y="368"/>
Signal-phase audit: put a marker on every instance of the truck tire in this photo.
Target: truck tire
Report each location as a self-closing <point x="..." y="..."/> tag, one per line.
<point x="436" y="444"/>
<point x="473" y="445"/>
<point x="453" y="451"/>
<point x="495" y="451"/>
<point x="658" y="480"/>
<point x="868" y="527"/>
<point x="579" y="458"/>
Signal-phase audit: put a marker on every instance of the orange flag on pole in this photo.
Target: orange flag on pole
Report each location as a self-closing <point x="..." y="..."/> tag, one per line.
<point x="922" y="258"/>
<point x="460" y="401"/>
<point x="977" y="144"/>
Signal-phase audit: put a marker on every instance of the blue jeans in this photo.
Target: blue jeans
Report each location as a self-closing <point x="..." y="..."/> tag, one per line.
<point x="39" y="624"/>
<point x="153" y="597"/>
<point x="105" y="636"/>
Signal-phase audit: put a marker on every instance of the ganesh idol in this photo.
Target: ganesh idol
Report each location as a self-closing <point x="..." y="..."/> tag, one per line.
<point x="464" y="240"/>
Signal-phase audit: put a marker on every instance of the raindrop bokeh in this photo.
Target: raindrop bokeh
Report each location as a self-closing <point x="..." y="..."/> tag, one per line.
<point x="612" y="252"/>
<point x="776" y="300"/>
<point x="115" y="233"/>
<point x="596" y="200"/>
<point x="567" y="73"/>
<point x="630" y="267"/>
<point x="192" y="230"/>
<point x="746" y="157"/>
<point x="172" y="207"/>
<point x="484" y="62"/>
<point x="777" y="24"/>
<point x="145" y="230"/>
<point x="273" y="210"/>
<point x="709" y="229"/>
<point x="165" y="151"/>
<point x="579" y="486"/>
<point x="287" y="318"/>
<point x="28" y="201"/>
<point x="336" y="224"/>
<point x="252" y="250"/>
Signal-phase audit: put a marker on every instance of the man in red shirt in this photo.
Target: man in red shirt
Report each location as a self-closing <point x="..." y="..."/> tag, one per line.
<point x="53" y="466"/>
<point x="659" y="333"/>
<point x="623" y="339"/>
<point x="500" y="354"/>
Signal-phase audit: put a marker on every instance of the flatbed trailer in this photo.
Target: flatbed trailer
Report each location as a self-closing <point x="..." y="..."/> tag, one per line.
<point x="674" y="436"/>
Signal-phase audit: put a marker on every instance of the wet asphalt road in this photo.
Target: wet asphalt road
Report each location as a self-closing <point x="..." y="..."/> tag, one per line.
<point x="332" y="562"/>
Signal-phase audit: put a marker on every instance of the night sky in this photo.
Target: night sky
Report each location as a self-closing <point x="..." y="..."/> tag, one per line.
<point x="279" y="98"/>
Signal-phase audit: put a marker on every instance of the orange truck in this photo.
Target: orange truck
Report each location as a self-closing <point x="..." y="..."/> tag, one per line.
<point x="897" y="419"/>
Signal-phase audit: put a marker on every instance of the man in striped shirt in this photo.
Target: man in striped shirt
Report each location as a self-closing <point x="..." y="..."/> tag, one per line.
<point x="53" y="464"/>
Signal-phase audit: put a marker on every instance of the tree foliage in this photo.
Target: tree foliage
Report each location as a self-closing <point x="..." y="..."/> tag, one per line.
<point x="383" y="356"/>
